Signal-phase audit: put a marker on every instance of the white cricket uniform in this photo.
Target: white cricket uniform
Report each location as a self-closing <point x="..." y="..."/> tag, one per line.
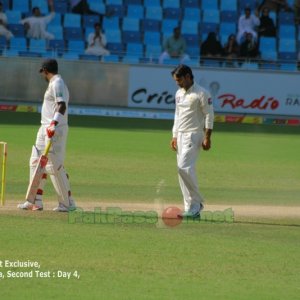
<point x="56" y="92"/>
<point x="3" y="30"/>
<point x="37" y="27"/>
<point x="194" y="112"/>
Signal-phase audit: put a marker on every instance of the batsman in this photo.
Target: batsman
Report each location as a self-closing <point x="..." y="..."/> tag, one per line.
<point x="54" y="129"/>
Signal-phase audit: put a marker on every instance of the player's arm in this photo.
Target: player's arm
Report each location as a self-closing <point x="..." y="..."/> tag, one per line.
<point x="208" y="111"/>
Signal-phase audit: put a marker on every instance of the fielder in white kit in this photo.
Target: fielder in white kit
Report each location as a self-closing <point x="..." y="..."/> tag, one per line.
<point x="193" y="124"/>
<point x="54" y="126"/>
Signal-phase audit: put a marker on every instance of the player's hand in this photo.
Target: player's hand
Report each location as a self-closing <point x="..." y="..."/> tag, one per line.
<point x="51" y="129"/>
<point x="173" y="144"/>
<point x="206" y="144"/>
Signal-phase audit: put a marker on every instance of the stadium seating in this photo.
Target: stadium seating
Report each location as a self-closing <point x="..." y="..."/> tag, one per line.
<point x="144" y="24"/>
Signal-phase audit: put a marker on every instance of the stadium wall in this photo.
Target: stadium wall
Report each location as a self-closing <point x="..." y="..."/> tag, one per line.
<point x="151" y="87"/>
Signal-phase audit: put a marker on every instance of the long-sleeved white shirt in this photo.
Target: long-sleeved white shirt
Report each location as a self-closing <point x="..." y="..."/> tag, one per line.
<point x="194" y="110"/>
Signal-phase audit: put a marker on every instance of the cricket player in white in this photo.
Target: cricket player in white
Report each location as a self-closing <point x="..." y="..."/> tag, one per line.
<point x="193" y="124"/>
<point x="54" y="126"/>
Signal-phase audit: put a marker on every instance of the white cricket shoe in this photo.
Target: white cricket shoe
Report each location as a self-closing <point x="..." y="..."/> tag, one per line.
<point x="38" y="205"/>
<point x="62" y="208"/>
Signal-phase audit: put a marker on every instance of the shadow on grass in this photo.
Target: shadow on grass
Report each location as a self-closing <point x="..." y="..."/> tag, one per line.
<point x="142" y="124"/>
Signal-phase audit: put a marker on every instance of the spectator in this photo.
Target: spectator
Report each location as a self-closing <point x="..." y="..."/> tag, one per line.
<point x="97" y="42"/>
<point x="3" y="24"/>
<point x="35" y="25"/>
<point x="174" y="47"/>
<point x="266" y="27"/>
<point x="231" y="50"/>
<point x="247" y="23"/>
<point x="211" y="47"/>
<point x="249" y="47"/>
<point x="275" y="5"/>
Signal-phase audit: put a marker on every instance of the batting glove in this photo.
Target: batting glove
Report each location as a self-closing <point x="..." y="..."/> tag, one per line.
<point x="51" y="129"/>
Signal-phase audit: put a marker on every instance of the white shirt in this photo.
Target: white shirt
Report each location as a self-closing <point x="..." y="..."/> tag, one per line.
<point x="3" y="17"/>
<point x="194" y="110"/>
<point x="37" y="26"/>
<point x="248" y="24"/>
<point x="57" y="91"/>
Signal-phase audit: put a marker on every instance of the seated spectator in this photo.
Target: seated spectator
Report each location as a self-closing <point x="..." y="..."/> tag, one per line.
<point x="275" y="5"/>
<point x="247" y="23"/>
<point x="249" y="47"/>
<point x="211" y="47"/>
<point x="3" y="24"/>
<point x="35" y="25"/>
<point x="174" y="47"/>
<point x="97" y="42"/>
<point x="231" y="50"/>
<point x="266" y="27"/>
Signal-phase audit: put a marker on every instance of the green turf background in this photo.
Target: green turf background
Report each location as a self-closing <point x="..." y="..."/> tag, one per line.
<point x="125" y="160"/>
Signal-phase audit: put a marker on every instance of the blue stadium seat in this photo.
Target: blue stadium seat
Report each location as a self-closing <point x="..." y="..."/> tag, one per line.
<point x="56" y="20"/>
<point x="134" y="2"/>
<point x="153" y="51"/>
<point x="289" y="67"/>
<point x="192" y="14"/>
<point x="39" y="46"/>
<point x="61" y="7"/>
<point x="20" y="5"/>
<point x="87" y="31"/>
<point x="227" y="28"/>
<point x="131" y="24"/>
<point x="17" y="30"/>
<point x="168" y="26"/>
<point x="72" y="20"/>
<point x="73" y="33"/>
<point x="134" y="49"/>
<point x="171" y="3"/>
<point x="247" y="3"/>
<point x="114" y="2"/>
<point x="189" y="27"/>
<point x="90" y="20"/>
<point x="130" y="59"/>
<point x="207" y="27"/>
<point x="229" y="16"/>
<point x="211" y="16"/>
<point x="250" y="66"/>
<point x="29" y="54"/>
<point x="154" y="12"/>
<point x="191" y="3"/>
<point x="228" y="5"/>
<point x="113" y="36"/>
<point x="77" y="46"/>
<point x="151" y="25"/>
<point x="192" y="40"/>
<point x="2" y="42"/>
<point x="135" y="11"/>
<point x="13" y="16"/>
<point x="287" y="18"/>
<point x="287" y="32"/>
<point x="171" y="61"/>
<point x="111" y="23"/>
<point x="287" y="45"/>
<point x="5" y="4"/>
<point x="57" y="45"/>
<point x="70" y="56"/>
<point x="111" y="58"/>
<point x="57" y="31"/>
<point x="209" y="4"/>
<point x="98" y="7"/>
<point x="117" y="10"/>
<point x="194" y="62"/>
<point x="132" y="37"/>
<point x="116" y="48"/>
<point x="152" y="38"/>
<point x="149" y="3"/>
<point x="288" y="56"/>
<point x="270" y="55"/>
<point x="193" y="52"/>
<point x="267" y="44"/>
<point x="172" y="13"/>
<point x="19" y="44"/>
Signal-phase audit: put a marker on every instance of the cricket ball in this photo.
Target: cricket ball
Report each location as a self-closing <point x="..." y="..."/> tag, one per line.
<point x="171" y="216"/>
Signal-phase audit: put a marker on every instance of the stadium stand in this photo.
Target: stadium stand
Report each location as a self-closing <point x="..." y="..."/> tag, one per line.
<point x="137" y="28"/>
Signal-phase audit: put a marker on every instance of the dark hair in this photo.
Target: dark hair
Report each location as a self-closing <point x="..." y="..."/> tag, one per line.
<point x="182" y="70"/>
<point x="34" y="9"/>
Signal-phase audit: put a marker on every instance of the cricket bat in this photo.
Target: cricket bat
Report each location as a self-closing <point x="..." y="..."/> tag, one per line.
<point x="38" y="174"/>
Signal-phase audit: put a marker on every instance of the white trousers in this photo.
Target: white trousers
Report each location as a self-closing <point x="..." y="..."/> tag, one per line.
<point x="188" y="147"/>
<point x="55" y="163"/>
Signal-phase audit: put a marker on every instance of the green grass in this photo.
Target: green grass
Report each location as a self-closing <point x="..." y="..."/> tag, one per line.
<point x="112" y="159"/>
<point x="125" y="160"/>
